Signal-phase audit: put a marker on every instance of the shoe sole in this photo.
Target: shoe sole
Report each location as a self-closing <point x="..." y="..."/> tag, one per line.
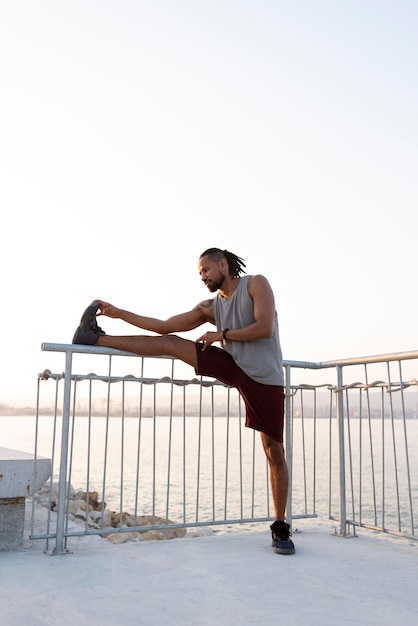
<point x="86" y="323"/>
<point x="284" y="550"/>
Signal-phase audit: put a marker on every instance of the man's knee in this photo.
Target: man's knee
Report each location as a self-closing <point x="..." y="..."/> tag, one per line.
<point x="274" y="449"/>
<point x="180" y="348"/>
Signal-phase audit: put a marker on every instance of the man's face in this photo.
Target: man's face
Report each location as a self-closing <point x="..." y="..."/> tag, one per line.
<point x="212" y="273"/>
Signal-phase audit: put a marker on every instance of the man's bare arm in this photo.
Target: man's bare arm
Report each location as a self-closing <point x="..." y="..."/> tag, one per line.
<point x="203" y="312"/>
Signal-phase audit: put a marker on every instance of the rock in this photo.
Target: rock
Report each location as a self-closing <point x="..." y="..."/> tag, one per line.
<point x="162" y="534"/>
<point x="74" y="505"/>
<point x="116" y="519"/>
<point x="117" y="538"/>
<point x="103" y="520"/>
<point x="92" y="497"/>
<point x="147" y="535"/>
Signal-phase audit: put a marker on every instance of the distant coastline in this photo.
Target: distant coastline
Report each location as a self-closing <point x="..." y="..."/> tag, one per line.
<point x="114" y="411"/>
<point x="6" y="410"/>
<point x="193" y="411"/>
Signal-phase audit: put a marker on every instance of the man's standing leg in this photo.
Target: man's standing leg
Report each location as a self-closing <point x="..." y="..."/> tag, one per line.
<point x="279" y="479"/>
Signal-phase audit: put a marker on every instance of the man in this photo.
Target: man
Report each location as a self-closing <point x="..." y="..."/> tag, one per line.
<point x="249" y="358"/>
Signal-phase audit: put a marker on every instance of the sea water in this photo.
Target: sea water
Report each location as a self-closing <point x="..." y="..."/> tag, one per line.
<point x="215" y="468"/>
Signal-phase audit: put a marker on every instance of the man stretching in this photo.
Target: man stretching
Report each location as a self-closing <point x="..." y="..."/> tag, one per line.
<point x="249" y="358"/>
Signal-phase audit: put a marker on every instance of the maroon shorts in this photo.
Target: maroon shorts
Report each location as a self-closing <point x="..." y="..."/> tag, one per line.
<point x="264" y="404"/>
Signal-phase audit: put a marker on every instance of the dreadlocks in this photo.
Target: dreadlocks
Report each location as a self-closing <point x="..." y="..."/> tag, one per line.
<point x="235" y="263"/>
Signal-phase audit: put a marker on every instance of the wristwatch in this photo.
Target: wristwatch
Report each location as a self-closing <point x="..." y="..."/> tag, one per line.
<point x="224" y="335"/>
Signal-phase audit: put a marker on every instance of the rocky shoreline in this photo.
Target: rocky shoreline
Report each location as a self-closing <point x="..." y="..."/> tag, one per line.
<point x="86" y="509"/>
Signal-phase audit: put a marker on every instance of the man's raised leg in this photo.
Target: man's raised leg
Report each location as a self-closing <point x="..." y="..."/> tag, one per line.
<point x="160" y="345"/>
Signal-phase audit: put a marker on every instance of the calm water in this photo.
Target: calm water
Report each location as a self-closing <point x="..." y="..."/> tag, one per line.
<point x="196" y="491"/>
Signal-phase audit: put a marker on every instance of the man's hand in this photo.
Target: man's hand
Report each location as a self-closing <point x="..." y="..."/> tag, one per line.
<point x="209" y="338"/>
<point x="108" y="309"/>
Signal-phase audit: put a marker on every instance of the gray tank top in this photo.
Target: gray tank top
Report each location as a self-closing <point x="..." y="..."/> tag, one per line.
<point x="261" y="359"/>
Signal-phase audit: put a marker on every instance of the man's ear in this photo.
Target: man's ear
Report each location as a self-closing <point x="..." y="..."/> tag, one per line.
<point x="224" y="266"/>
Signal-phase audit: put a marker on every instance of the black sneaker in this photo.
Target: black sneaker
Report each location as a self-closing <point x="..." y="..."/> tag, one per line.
<point x="88" y="332"/>
<point x="280" y="538"/>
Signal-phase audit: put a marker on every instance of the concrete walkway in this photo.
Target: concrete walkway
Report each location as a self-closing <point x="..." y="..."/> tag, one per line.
<point x="214" y="580"/>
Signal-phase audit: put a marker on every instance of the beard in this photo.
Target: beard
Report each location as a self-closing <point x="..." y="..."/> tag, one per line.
<point x="214" y="285"/>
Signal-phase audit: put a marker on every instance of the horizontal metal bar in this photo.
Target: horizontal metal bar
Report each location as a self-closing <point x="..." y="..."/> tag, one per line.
<point x="78" y="348"/>
<point x="380" y="358"/>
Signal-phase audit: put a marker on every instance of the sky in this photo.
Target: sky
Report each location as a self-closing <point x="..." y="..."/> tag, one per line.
<point x="134" y="135"/>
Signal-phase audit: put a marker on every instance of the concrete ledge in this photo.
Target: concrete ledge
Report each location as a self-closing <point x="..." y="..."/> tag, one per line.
<point x="20" y="476"/>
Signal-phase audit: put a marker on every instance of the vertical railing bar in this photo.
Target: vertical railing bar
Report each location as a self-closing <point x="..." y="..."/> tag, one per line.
<point x="341" y="447"/>
<point x="302" y="423"/>
<point x="199" y="444"/>
<point x="240" y="461"/>
<point x="382" y="413"/>
<point x="170" y="435"/>
<point x="408" y="473"/>
<point x="395" y="456"/>
<point x="138" y="448"/>
<point x="288" y="443"/>
<point x="350" y="458"/>
<point x="253" y="476"/>
<point x="371" y="446"/>
<point x="54" y="439"/>
<point x="360" y="447"/>
<point x="106" y="435"/>
<point x="154" y="452"/>
<point x="32" y="522"/>
<point x="228" y="400"/>
<point x="70" y="466"/>
<point x="89" y="429"/>
<point x="213" y="452"/>
<point x="288" y="433"/>
<point x="269" y="499"/>
<point x="314" y="453"/>
<point x="122" y="456"/>
<point x="70" y="462"/>
<point x="51" y="479"/>
<point x="184" y="456"/>
<point x="62" y="485"/>
<point x="330" y="473"/>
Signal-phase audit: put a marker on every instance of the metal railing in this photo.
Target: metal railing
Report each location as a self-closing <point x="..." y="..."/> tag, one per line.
<point x="169" y="450"/>
<point x="372" y="456"/>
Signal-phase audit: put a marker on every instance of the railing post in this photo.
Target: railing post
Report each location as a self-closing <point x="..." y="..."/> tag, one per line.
<point x="288" y="439"/>
<point x="62" y="485"/>
<point x="341" y="450"/>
